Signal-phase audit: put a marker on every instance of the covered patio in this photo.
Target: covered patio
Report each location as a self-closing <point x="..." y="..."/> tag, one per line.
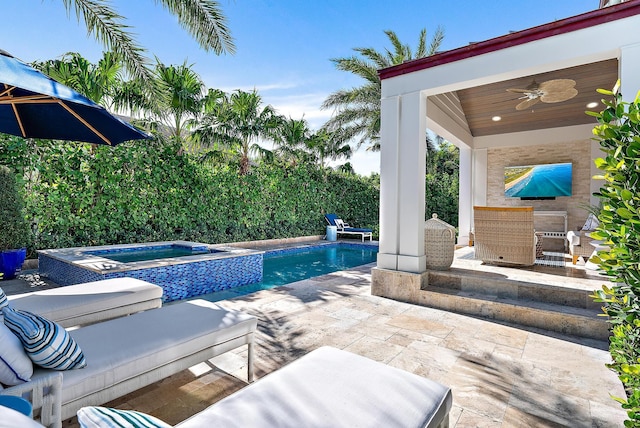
<point x="463" y="96"/>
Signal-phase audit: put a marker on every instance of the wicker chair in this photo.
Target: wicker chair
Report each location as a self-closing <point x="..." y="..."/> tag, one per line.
<point x="504" y="235"/>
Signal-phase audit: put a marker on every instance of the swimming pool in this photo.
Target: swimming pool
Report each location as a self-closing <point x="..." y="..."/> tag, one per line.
<point x="285" y="266"/>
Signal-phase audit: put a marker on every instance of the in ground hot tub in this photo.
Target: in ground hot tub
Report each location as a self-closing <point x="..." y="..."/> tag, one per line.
<point x="183" y="269"/>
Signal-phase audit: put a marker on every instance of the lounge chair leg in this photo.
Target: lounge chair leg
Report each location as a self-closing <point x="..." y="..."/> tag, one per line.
<point x="250" y="361"/>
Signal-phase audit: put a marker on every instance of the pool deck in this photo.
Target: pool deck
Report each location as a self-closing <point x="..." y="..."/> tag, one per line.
<point x="501" y="375"/>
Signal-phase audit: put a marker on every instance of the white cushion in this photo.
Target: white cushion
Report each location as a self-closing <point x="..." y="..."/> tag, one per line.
<point x="573" y="238"/>
<point x="10" y="418"/>
<point x="103" y="417"/>
<point x="15" y="365"/>
<point x="73" y="301"/>
<point x="592" y="223"/>
<point x="331" y="388"/>
<point x="47" y="344"/>
<point x="125" y="348"/>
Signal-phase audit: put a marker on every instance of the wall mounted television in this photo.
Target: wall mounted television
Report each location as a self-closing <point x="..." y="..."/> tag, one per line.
<point x="545" y="181"/>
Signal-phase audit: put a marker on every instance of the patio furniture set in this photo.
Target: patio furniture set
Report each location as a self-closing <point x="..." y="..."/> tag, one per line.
<point x="506" y="236"/>
<point x="121" y="354"/>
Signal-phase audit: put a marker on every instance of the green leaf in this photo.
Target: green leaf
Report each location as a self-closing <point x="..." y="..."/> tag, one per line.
<point x="624" y="213"/>
<point x="604" y="92"/>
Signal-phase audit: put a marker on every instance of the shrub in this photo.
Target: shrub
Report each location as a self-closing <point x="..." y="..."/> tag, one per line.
<point x="619" y="134"/>
<point x="14" y="229"/>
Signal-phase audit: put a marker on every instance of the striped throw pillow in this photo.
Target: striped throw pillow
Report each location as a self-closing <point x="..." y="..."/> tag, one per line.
<point x="46" y="343"/>
<point x="103" y="417"/>
<point x="3" y="300"/>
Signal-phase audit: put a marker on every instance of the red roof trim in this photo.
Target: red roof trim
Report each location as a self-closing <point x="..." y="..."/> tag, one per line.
<point x="567" y="25"/>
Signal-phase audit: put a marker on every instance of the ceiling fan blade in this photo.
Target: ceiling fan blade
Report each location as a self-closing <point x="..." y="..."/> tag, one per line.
<point x="557" y="85"/>
<point x="557" y="97"/>
<point x="527" y="103"/>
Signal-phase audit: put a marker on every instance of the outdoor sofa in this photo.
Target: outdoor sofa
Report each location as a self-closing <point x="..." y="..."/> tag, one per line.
<point x="129" y="353"/>
<point x="344" y="228"/>
<point x="90" y="302"/>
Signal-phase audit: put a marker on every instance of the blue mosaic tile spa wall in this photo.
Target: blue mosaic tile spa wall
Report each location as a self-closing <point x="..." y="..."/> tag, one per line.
<point x="179" y="281"/>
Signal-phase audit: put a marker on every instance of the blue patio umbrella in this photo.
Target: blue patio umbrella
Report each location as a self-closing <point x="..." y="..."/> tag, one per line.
<point x="33" y="105"/>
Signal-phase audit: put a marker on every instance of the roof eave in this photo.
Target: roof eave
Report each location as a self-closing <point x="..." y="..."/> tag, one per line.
<point x="567" y="25"/>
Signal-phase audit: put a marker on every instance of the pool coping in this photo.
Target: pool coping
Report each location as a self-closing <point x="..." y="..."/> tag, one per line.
<point x="80" y="256"/>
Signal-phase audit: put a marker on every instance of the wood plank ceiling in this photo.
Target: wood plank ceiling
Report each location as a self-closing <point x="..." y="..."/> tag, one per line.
<point x="482" y="103"/>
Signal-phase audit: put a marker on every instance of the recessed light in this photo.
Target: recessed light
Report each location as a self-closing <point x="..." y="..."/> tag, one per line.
<point x="592" y="105"/>
<point x="496" y="118"/>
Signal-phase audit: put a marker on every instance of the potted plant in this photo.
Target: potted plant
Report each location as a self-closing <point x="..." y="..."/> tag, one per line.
<point x="14" y="231"/>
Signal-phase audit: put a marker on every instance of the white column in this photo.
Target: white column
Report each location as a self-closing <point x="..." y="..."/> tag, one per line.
<point x="389" y="158"/>
<point x="465" y="204"/>
<point x="479" y="168"/>
<point x="629" y="71"/>
<point x="411" y="180"/>
<point x="402" y="182"/>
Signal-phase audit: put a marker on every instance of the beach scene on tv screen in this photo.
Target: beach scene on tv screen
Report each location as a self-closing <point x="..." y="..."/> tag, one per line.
<point x="538" y="181"/>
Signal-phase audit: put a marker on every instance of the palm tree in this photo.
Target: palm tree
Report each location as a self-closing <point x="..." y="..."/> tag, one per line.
<point x="203" y="19"/>
<point x="291" y="137"/>
<point x="326" y="145"/>
<point x="98" y="82"/>
<point x="181" y="97"/>
<point x="236" y="122"/>
<point x="357" y="110"/>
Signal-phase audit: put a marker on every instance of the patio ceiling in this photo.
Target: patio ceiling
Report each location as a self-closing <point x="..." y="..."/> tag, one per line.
<point x="480" y="104"/>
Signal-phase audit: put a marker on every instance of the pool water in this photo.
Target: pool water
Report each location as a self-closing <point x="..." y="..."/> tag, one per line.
<point x="286" y="266"/>
<point x="151" y="253"/>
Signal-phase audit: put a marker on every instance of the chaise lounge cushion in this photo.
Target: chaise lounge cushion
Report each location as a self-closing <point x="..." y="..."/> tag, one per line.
<point x="91" y="301"/>
<point x="126" y="348"/>
<point x="331" y="388"/>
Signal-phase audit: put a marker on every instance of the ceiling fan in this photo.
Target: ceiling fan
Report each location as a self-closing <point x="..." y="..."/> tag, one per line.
<point x="551" y="91"/>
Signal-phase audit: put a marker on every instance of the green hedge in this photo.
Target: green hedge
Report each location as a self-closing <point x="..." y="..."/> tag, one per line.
<point x="78" y="195"/>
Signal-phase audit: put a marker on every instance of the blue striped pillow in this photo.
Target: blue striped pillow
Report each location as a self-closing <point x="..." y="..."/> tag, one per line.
<point x="46" y="343"/>
<point x="103" y="417"/>
<point x="3" y="300"/>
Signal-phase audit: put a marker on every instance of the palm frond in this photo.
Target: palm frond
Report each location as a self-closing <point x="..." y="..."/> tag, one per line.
<point x="358" y="67"/>
<point x="107" y="27"/>
<point x="204" y="20"/>
<point x="436" y="41"/>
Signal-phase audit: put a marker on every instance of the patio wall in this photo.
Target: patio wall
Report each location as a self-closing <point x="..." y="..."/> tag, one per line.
<point x="577" y="152"/>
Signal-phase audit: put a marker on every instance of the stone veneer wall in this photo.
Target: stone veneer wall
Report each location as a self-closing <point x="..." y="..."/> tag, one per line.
<point x="576" y="152"/>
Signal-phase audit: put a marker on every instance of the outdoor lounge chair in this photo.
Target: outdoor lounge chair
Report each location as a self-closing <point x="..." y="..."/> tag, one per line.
<point x="345" y="229"/>
<point x="330" y="387"/>
<point x="90" y="302"/>
<point x="504" y="235"/>
<point x="129" y="353"/>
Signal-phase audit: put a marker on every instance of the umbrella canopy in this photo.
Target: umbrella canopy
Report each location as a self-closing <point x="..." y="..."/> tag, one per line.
<point x="32" y="105"/>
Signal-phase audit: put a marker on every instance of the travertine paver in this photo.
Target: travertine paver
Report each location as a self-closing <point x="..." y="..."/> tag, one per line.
<point x="501" y="375"/>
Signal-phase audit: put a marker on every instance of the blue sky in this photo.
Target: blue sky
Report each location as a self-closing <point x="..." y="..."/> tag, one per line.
<point x="284" y="47"/>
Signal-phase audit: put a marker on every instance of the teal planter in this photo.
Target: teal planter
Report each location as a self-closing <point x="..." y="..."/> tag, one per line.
<point x="11" y="262"/>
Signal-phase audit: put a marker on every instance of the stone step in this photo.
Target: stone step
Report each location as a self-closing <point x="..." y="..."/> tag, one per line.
<point x="572" y="293"/>
<point x="570" y="320"/>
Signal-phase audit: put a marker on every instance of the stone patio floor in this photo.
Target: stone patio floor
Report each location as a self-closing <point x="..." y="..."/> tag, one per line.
<point x="501" y="375"/>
